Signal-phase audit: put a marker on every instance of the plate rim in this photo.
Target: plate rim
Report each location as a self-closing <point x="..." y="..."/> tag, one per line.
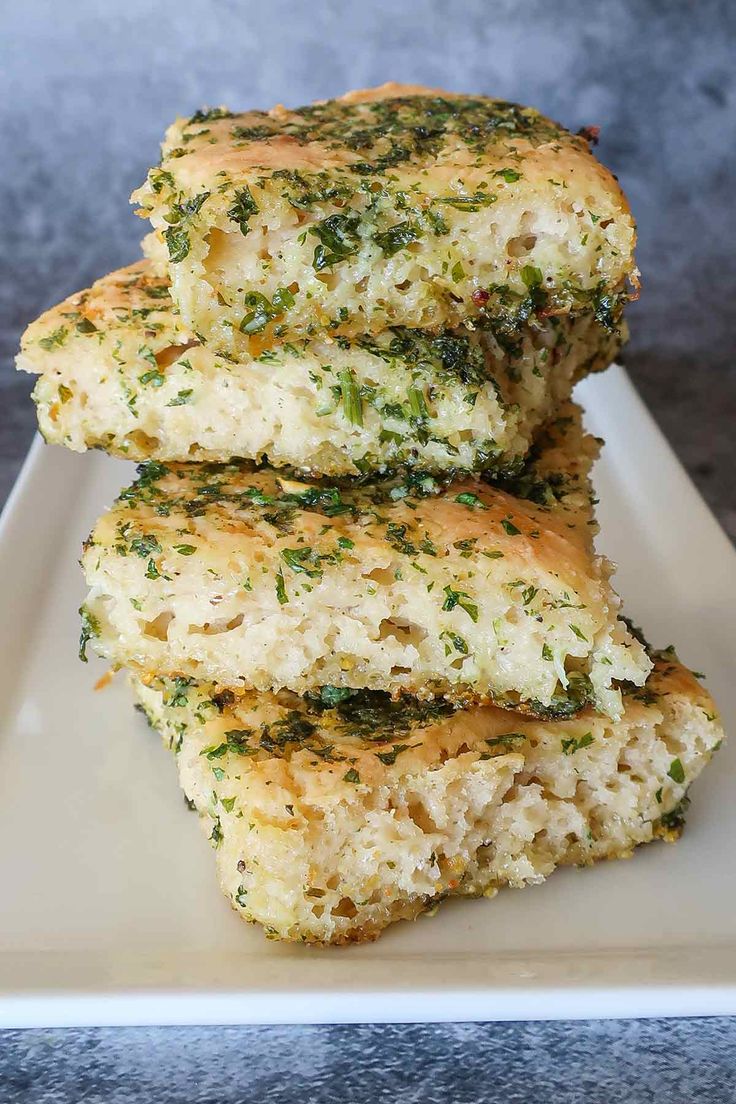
<point x="105" y="988"/>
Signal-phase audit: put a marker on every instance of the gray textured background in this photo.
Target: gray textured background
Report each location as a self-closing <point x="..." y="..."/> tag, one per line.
<point x="86" y="88"/>
<point x="618" y="1062"/>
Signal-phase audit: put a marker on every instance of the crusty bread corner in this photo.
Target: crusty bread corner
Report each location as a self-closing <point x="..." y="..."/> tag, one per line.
<point x="331" y="821"/>
<point x="390" y="90"/>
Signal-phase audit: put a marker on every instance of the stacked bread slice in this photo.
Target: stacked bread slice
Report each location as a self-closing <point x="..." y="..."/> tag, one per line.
<point x="355" y="583"/>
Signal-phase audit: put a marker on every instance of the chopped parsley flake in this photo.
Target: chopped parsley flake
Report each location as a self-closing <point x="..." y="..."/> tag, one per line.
<point x="676" y="771"/>
<point x="181" y="398"/>
<point x="281" y="594"/>
<point x="145" y="546"/>
<point x="177" y="243"/>
<point x="54" y="340"/>
<point x="264" y="310"/>
<point x="397" y="237"/>
<point x="330" y="696"/>
<point x="509" y="175"/>
<point x="243" y="208"/>
<point x="388" y="758"/>
<point x="302" y="560"/>
<point x="338" y="237"/>
<point x="352" y="403"/>
<point x="573" y="744"/>
<point x="531" y="276"/>
<point x="90" y="629"/>
<point x="467" y="498"/>
<point x="470" y="202"/>
<point x="460" y="598"/>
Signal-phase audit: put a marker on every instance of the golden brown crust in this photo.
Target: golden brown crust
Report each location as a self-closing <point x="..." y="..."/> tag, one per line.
<point x="562" y="152"/>
<point x="390" y="90"/>
<point x="136" y="287"/>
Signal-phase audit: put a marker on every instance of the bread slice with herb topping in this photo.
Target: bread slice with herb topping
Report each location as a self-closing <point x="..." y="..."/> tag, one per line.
<point x="399" y="205"/>
<point x="119" y="370"/>
<point x="244" y="577"/>
<point x="333" y="817"/>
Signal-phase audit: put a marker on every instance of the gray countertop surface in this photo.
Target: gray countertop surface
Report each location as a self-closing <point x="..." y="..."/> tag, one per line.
<point x="85" y="93"/>
<point x="605" y="1062"/>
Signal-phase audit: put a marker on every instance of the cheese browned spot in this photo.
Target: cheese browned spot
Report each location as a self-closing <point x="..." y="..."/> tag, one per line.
<point x="119" y="370"/>
<point x="333" y="817"/>
<point x="248" y="578"/>
<point x="399" y="205"/>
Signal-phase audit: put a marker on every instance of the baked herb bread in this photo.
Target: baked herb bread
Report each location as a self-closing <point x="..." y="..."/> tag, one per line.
<point x="246" y="577"/>
<point x="119" y="371"/>
<point x="336" y="815"/>
<point x="399" y="205"/>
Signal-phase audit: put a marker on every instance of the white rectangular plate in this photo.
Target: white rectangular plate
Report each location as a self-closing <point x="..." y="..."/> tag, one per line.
<point x="109" y="909"/>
